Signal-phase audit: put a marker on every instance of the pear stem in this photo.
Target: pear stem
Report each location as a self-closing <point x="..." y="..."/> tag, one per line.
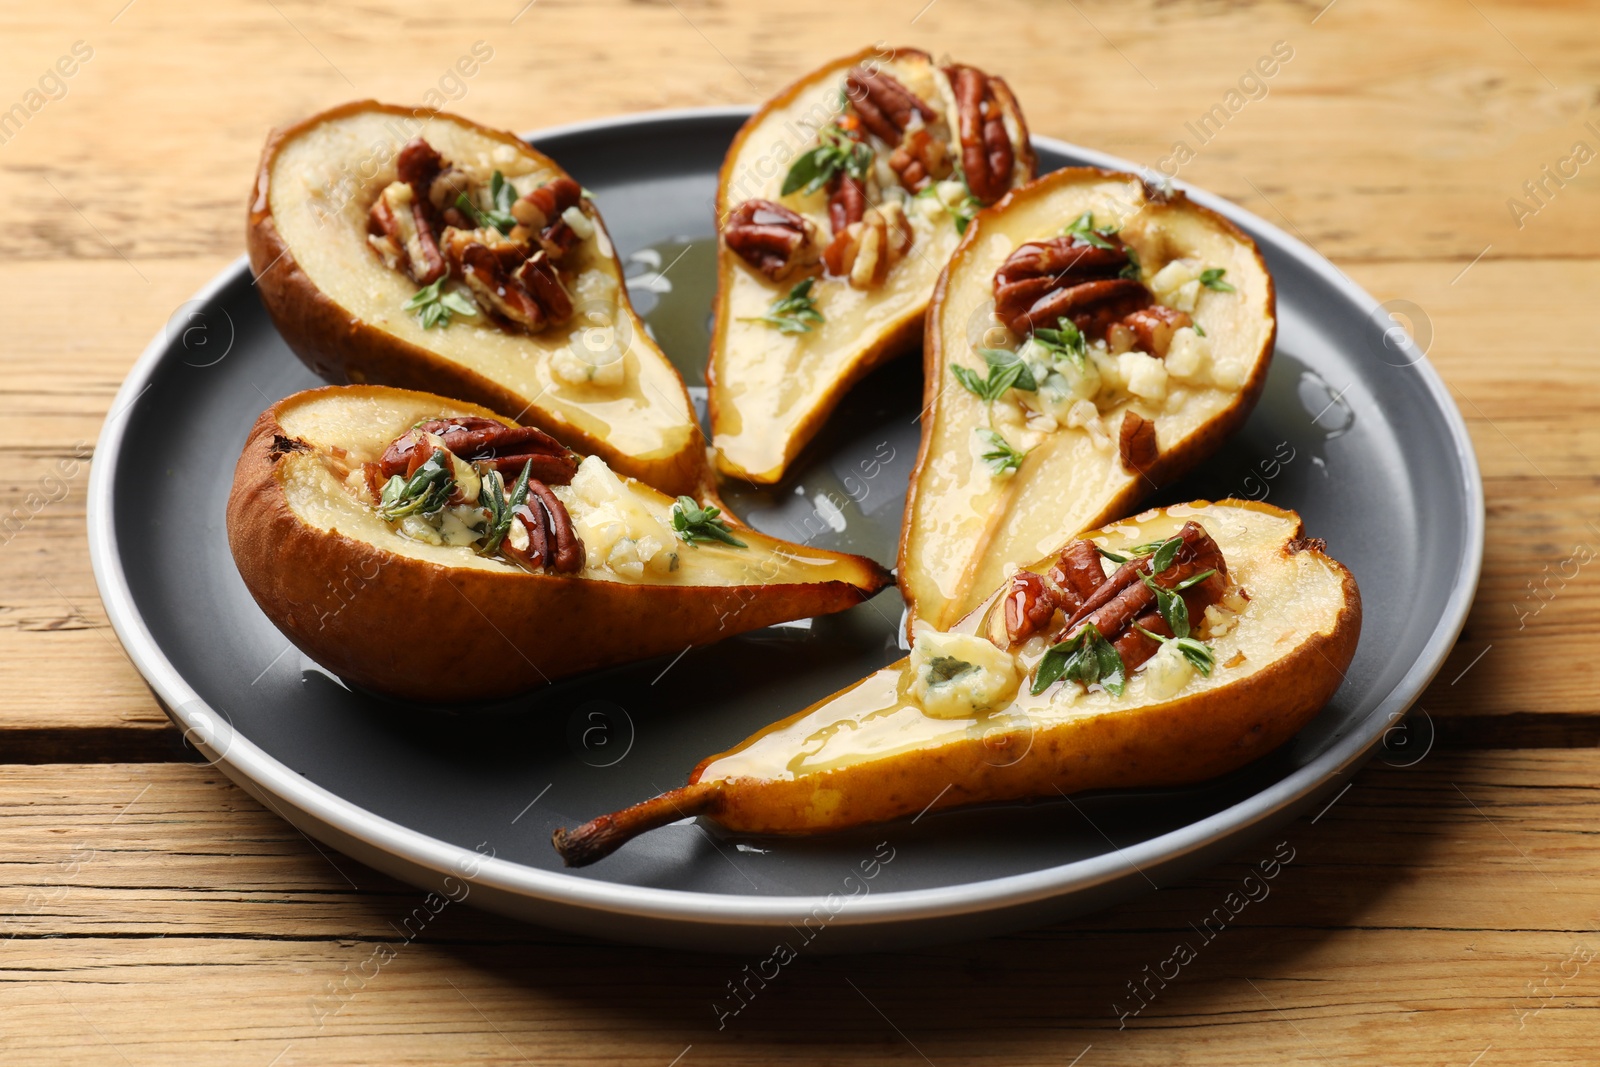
<point x="599" y="838"/>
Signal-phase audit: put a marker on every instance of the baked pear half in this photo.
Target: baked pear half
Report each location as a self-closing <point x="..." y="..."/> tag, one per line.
<point x="434" y="253"/>
<point x="1161" y="650"/>
<point x="1092" y="340"/>
<point x="391" y="533"/>
<point x="839" y="203"/>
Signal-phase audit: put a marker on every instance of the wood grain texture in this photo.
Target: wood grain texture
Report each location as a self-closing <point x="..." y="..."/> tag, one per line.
<point x="159" y="913"/>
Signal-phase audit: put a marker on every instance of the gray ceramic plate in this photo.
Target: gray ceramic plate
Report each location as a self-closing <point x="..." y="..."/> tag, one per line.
<point x="1355" y="431"/>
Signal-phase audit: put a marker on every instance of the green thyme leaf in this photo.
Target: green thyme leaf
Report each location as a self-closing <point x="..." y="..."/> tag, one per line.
<point x="1083" y="229"/>
<point x="1066" y="342"/>
<point x="502" y="511"/>
<point x="1211" y="278"/>
<point x="943" y="669"/>
<point x="1163" y="554"/>
<point x="1144" y="550"/>
<point x="695" y="523"/>
<point x="496" y="217"/>
<point x="963" y="211"/>
<point x="502" y="193"/>
<point x="1001" y="457"/>
<point x="794" y="313"/>
<point x="836" y="153"/>
<point x="1134" y="269"/>
<point x="1199" y="329"/>
<point x="424" y="493"/>
<point x="1006" y="371"/>
<point x="1193" y="580"/>
<point x="1196" y="652"/>
<point x="434" y="306"/>
<point x="1088" y="658"/>
<point x="1170" y="605"/>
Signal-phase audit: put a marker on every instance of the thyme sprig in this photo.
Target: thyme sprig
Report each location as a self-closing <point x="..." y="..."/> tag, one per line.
<point x="795" y="313"/>
<point x="696" y="522"/>
<point x="425" y="492"/>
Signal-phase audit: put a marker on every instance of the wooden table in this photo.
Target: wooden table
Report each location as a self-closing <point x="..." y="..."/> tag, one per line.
<point x="1439" y="913"/>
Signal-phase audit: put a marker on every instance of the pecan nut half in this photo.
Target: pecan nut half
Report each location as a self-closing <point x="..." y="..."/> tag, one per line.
<point x="1137" y="442"/>
<point x="1063" y="277"/>
<point x="772" y="239"/>
<point x="863" y="252"/>
<point x="526" y="291"/>
<point x="987" y="156"/>
<point x="475" y="439"/>
<point x="401" y="229"/>
<point x="885" y="105"/>
<point x="542" y="537"/>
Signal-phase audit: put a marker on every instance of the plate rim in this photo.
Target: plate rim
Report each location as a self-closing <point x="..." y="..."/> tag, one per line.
<point x="245" y="762"/>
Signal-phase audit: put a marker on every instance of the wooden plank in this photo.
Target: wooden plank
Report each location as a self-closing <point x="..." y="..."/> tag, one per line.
<point x="1370" y="98"/>
<point x="159" y="913"/>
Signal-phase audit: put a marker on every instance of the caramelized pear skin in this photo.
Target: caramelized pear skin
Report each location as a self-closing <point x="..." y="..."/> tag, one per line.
<point x="1099" y="435"/>
<point x="871" y="753"/>
<point x="439" y="622"/>
<point x="346" y="313"/>
<point x="770" y="389"/>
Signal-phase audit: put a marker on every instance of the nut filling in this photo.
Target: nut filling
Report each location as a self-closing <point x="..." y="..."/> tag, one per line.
<point x="445" y="482"/>
<point x="1173" y="594"/>
<point x="948" y="146"/>
<point x="503" y="246"/>
<point x="1095" y="332"/>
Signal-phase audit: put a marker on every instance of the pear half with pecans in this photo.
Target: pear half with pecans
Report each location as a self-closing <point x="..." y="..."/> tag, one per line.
<point x="838" y="204"/>
<point x="1092" y="340"/>
<point x="425" y="251"/>
<point x="428" y="549"/>
<point x="1209" y="635"/>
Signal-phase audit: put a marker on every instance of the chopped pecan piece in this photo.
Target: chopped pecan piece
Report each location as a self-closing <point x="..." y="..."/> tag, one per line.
<point x="987" y="156"/>
<point x="542" y="537"/>
<point x="1029" y="603"/>
<point x="1148" y="329"/>
<point x="400" y="229"/>
<point x="847" y="203"/>
<point x="539" y="215"/>
<point x="1031" y="600"/>
<point x="863" y="252"/>
<point x="1134" y="647"/>
<point x="1137" y="442"/>
<point x="774" y="240"/>
<point x="475" y="439"/>
<point x="921" y="160"/>
<point x="418" y="164"/>
<point x="1064" y="277"/>
<point x="528" y="293"/>
<point x="884" y="104"/>
<point x="1077" y="574"/>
